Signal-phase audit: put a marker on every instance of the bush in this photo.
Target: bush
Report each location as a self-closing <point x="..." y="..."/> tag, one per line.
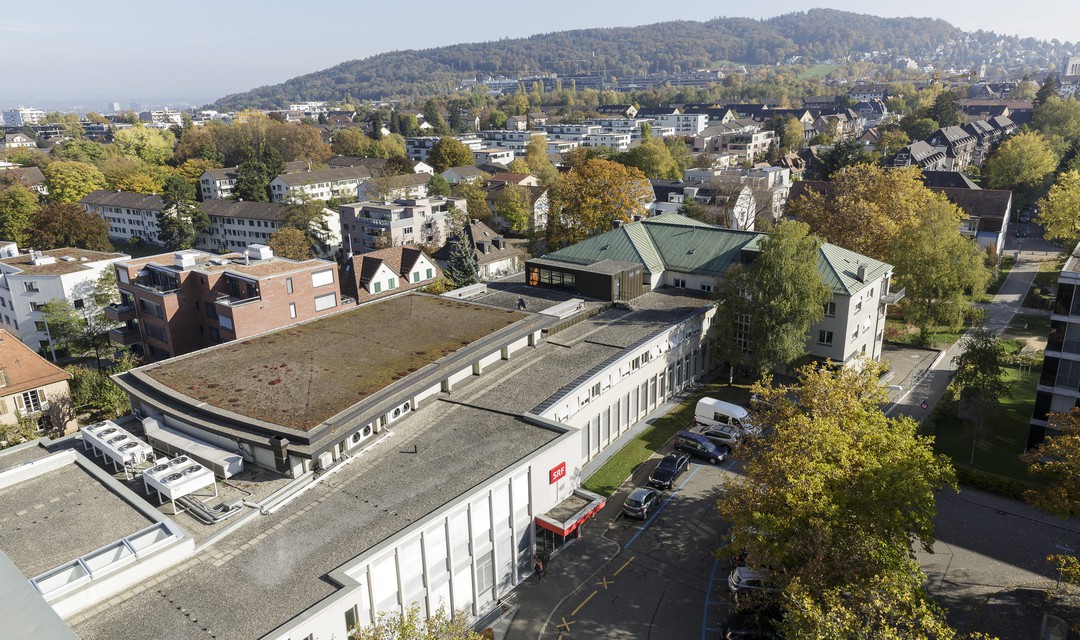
<point x="990" y="482"/>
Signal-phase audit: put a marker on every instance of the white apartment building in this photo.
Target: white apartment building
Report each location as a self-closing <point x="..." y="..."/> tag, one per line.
<point x="30" y="280"/>
<point x="493" y="155"/>
<point x="685" y="124"/>
<point x="746" y="146"/>
<point x="130" y="215"/>
<point x="617" y="141"/>
<point x="367" y="226"/>
<point x="418" y="148"/>
<point x="217" y="184"/>
<point x="507" y="139"/>
<point x="23" y="116"/>
<point x="341" y="182"/>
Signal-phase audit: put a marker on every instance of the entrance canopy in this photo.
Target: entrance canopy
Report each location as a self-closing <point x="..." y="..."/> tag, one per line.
<point x="572" y="512"/>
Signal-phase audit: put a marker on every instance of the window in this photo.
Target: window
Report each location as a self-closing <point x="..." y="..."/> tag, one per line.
<point x="215" y="335"/>
<point x="416" y="276"/>
<point x="858" y="306"/>
<point x="78" y="303"/>
<point x="211" y="311"/>
<point x="29" y="401"/>
<point x="328" y="301"/>
<point x="40" y="325"/>
<point x="292" y="309"/>
<point x="706" y="287"/>
<point x="377" y="287"/>
<point x="391" y="283"/>
<point x="830" y="309"/>
<point x="322" y="278"/>
<point x="31" y="287"/>
<point x="351" y="617"/>
<point x="680" y="283"/>
<point x="288" y="286"/>
<point x="825" y="337"/>
<point x="430" y="274"/>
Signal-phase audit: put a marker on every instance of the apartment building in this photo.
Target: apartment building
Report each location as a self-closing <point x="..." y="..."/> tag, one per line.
<point x="29" y="385"/>
<point x="370" y="225"/>
<point x="388" y="272"/>
<point x="675" y="251"/>
<point x="23" y="117"/>
<point x="684" y="124"/>
<point x="514" y="140"/>
<point x="418" y="148"/>
<point x="341" y="183"/>
<point x="493" y="155"/>
<point x="1058" y="390"/>
<point x="746" y="144"/>
<point x="176" y="303"/>
<point x="28" y="281"/>
<point x="217" y="184"/>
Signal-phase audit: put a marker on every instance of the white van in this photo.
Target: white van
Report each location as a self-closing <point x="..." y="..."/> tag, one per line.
<point x="712" y="412"/>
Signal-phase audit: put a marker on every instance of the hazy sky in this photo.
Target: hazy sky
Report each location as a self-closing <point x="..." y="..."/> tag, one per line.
<point x="200" y="50"/>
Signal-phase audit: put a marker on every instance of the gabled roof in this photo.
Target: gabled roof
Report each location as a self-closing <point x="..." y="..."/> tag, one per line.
<point x="124" y="199"/>
<point x="673" y="242"/>
<point x="227" y="173"/>
<point x="28" y="176"/>
<point x="467" y="171"/>
<point x="950" y="179"/>
<point x="23" y="369"/>
<point x="373" y="165"/>
<point x="243" y="209"/>
<point x="325" y="175"/>
<point x="980" y="203"/>
<point x="400" y="260"/>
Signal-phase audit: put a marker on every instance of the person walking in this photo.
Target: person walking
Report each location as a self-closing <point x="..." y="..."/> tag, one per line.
<point x="538" y="567"/>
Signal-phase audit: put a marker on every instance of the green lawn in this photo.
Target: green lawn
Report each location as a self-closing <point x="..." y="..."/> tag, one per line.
<point x="997" y="450"/>
<point x="1038" y="295"/>
<point x="817" y="71"/>
<point x="618" y="468"/>
<point x="1027" y="325"/>
<point x="899" y="331"/>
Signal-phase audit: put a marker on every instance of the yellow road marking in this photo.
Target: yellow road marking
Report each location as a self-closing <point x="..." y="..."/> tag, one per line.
<point x="605" y="582"/>
<point x="583" y="603"/>
<point x="624" y="565"/>
<point x="565" y="625"/>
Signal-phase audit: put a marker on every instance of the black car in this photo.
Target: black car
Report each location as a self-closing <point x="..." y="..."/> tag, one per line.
<point x="641" y="502"/>
<point x="669" y="469"/>
<point x="748" y="626"/>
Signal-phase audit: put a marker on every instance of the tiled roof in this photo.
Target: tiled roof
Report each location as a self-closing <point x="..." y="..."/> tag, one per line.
<point x="123" y="199"/>
<point x="400" y="260"/>
<point x="28" y="176"/>
<point x="23" y="368"/>
<point x="325" y="175"/>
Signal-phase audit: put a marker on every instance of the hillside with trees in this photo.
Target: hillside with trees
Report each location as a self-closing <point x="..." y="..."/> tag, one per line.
<point x="666" y="47"/>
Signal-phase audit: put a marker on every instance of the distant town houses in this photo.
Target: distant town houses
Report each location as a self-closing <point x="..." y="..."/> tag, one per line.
<point x="494" y="255"/>
<point x="386" y="272"/>
<point x="32" y="387"/>
<point x="18" y="141"/>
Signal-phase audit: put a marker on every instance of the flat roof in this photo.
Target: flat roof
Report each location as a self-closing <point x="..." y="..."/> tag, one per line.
<point x="303" y="375"/>
<point x="61" y="266"/>
<point x="60" y="515"/>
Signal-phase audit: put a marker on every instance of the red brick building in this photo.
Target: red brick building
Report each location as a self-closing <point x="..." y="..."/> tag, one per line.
<point x="176" y="303"/>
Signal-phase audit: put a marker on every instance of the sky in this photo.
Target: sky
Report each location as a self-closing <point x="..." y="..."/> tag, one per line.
<point x="74" y="53"/>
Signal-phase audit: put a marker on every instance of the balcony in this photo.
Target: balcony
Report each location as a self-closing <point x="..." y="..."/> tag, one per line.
<point x="162" y="290"/>
<point x="125" y="336"/>
<point x="229" y="301"/>
<point x="119" y="312"/>
<point x="893" y="297"/>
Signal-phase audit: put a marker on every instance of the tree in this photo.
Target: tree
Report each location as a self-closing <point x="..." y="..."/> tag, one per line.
<point x="946" y="109"/>
<point x="1059" y="211"/>
<point x="1021" y="163"/>
<point x="518" y="165"/>
<point x="539" y="164"/>
<point x="86" y="330"/>
<point x="433" y="116"/>
<point x="70" y="181"/>
<point x="867" y="209"/>
<point x="79" y="150"/>
<point x="785" y="295"/>
<point x="1057" y="460"/>
<point x="653" y="158"/>
<point x="978" y="378"/>
<point x="24" y="429"/>
<point x="252" y="182"/>
<point x="476" y="205"/>
<point x="891" y="141"/>
<point x="180" y="220"/>
<point x="351" y="142"/>
<point x="918" y="128"/>
<point x="308" y="215"/>
<point x="92" y="390"/>
<point x="1058" y="120"/>
<point x="449" y="152"/>
<point x="832" y="507"/>
<point x="438" y="186"/>
<point x="514" y="206"/>
<point x="588" y="199"/>
<point x="1048" y="89"/>
<point x="937" y="266"/>
<point x="290" y="242"/>
<point x="462" y="267"/>
<point x="845" y="154"/>
<point x="149" y="145"/>
<point x="62" y="225"/>
<point x="17" y="208"/>
<point x="411" y="625"/>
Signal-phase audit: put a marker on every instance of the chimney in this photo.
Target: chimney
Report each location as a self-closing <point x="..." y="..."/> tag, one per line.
<point x="862" y="272"/>
<point x="615" y="224"/>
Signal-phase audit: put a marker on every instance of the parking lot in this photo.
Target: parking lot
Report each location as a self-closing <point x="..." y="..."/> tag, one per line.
<point x="628" y="578"/>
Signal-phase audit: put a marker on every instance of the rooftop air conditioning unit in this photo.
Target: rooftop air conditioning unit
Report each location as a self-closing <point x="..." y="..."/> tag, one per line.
<point x="185" y="260"/>
<point x="259" y="252"/>
<point x="325" y="460"/>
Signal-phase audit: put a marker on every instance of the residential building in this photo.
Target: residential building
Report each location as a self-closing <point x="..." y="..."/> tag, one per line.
<point x="493" y="155"/>
<point x="958" y="145"/>
<point x="30" y="280"/>
<point x="387" y="272"/>
<point x="1071" y="66"/>
<point x="620" y="110"/>
<point x="412" y="185"/>
<point x="496" y="257"/>
<point x="176" y="303"/>
<point x="457" y="175"/>
<point x="538" y="199"/>
<point x="341" y="183"/>
<point x="370" y="225"/>
<point x="922" y="155"/>
<point x="130" y="216"/>
<point x="505" y="178"/>
<point x="1058" y="390"/>
<point x="684" y="124"/>
<point x="18" y="141"/>
<point x="30" y="386"/>
<point x="868" y="92"/>
<point x="419" y="147"/>
<point x="29" y="177"/>
<point x="162" y="118"/>
<point x="219" y="184"/>
<point x="23" y="117"/>
<point x="617" y="141"/>
<point x="747" y="144"/>
<point x="675" y="251"/>
<point x="517" y="123"/>
<point x="768" y="186"/>
<point x="513" y="140"/>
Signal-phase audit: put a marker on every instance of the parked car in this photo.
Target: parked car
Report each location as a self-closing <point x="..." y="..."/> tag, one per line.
<point x="641" y="502"/>
<point x="745" y="580"/>
<point x="698" y="445"/>
<point x="1025" y="216"/>
<point x="748" y="626"/>
<point x="728" y="436"/>
<point x="670" y="468"/>
<point x="713" y="412"/>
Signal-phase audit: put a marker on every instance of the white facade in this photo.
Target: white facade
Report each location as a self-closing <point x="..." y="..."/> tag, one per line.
<point x="412" y="221"/>
<point x="22" y="117"/>
<point x="217" y="184"/>
<point x="493" y="156"/>
<point x="24" y="289"/>
<point x="685" y="124"/>
<point x="853" y="326"/>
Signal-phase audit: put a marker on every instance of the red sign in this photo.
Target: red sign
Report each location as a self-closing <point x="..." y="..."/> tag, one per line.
<point x="557" y="473"/>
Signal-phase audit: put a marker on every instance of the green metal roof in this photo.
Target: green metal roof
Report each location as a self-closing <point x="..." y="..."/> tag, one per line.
<point x="677" y="243"/>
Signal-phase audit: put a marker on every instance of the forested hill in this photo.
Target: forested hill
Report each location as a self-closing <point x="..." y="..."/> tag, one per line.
<point x="817" y="34"/>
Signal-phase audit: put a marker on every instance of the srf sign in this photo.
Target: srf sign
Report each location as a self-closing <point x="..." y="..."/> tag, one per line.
<point x="557" y="473"/>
